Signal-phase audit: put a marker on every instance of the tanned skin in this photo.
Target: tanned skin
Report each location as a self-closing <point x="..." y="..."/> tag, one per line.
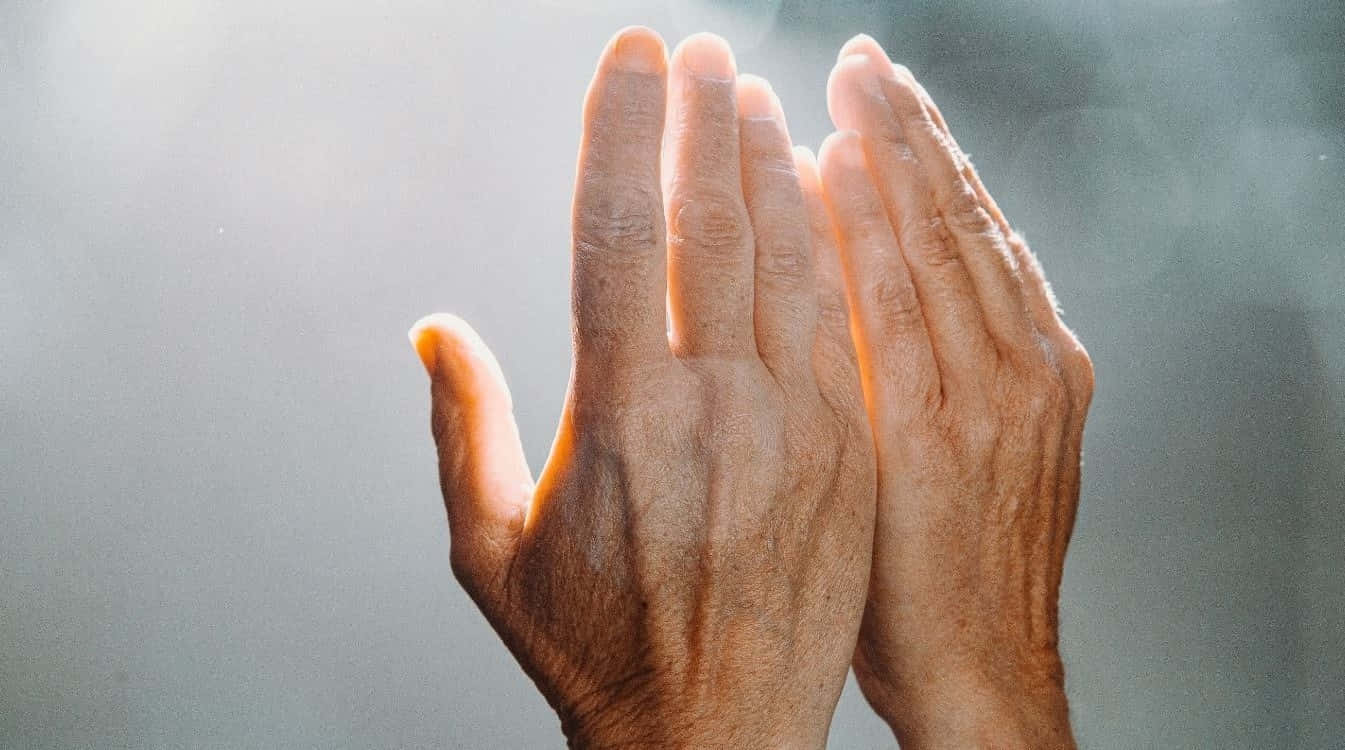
<point x="816" y="417"/>
<point x="690" y="568"/>
<point x="977" y="394"/>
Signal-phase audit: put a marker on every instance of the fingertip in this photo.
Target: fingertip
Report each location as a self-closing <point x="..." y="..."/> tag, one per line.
<point x="448" y="345"/>
<point x="865" y="46"/>
<point x="841" y="149"/>
<point x="437" y="325"/>
<point x="706" y="55"/>
<point x="844" y="68"/>
<point x="862" y="44"/>
<point x="851" y="78"/>
<point x="483" y="473"/>
<point x="860" y="72"/>
<point x="757" y="100"/>
<point x="426" y="336"/>
<point x="806" y="159"/>
<point x="638" y="49"/>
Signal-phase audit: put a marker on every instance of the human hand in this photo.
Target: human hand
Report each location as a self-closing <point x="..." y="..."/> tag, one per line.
<point x="691" y="566"/>
<point x="977" y="394"/>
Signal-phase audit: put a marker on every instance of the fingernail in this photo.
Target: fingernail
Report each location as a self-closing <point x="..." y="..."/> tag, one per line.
<point x="846" y="147"/>
<point x="867" y="77"/>
<point x="639" y="50"/>
<point x="425" y="340"/>
<point x="756" y="99"/>
<point x="852" y="150"/>
<point x="708" y="56"/>
<point x="858" y="40"/>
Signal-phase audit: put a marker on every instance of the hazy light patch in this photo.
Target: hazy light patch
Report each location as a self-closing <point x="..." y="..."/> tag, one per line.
<point x="1281" y="163"/>
<point x="1281" y="92"/>
<point x="125" y="66"/>
<point x="797" y="66"/>
<point x="1330" y="344"/>
<point x="1076" y="18"/>
<point x="1106" y="181"/>
<point x="596" y="6"/>
<point x="27" y="277"/>
<point x="1292" y="196"/>
<point x="744" y="23"/>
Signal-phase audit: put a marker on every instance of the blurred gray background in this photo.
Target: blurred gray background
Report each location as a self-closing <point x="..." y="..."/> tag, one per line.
<point x="219" y="519"/>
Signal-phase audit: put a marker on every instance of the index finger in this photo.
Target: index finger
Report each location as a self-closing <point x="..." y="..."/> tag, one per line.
<point x="619" y="255"/>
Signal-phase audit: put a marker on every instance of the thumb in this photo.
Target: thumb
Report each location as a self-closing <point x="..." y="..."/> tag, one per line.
<point x="483" y="473"/>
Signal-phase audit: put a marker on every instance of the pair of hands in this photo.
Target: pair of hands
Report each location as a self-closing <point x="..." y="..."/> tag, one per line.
<point x="821" y="414"/>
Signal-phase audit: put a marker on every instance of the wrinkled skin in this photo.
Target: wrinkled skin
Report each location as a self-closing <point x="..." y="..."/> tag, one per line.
<point x="690" y="568"/>
<point x="977" y="394"/>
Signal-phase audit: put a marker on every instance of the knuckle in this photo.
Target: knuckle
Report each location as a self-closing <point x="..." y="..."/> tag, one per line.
<point x="894" y="299"/>
<point x="979" y="431"/>
<point x="728" y="430"/>
<point x="1046" y="394"/>
<point x="1078" y="369"/>
<point x="892" y="141"/>
<point x="786" y="260"/>
<point x="710" y="223"/>
<point x="621" y="219"/>
<point x="927" y="237"/>
<point x="971" y="432"/>
<point x="833" y="311"/>
<point x="964" y="213"/>
<point x="733" y="434"/>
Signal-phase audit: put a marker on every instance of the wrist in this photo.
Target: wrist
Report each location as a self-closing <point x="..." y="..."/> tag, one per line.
<point x="943" y="708"/>
<point x="621" y="729"/>
<point x="687" y="738"/>
<point x="616" y="727"/>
